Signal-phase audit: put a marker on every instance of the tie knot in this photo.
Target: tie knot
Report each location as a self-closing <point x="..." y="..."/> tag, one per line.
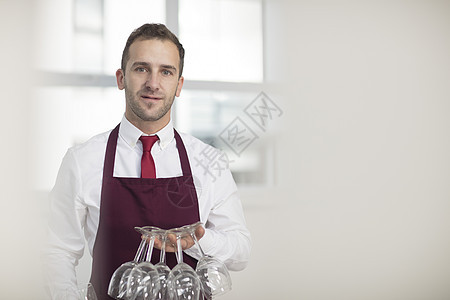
<point x="148" y="141"/>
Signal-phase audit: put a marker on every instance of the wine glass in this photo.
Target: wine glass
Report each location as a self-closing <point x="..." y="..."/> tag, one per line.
<point x="213" y="273"/>
<point x="183" y="282"/>
<point x="143" y="280"/>
<point x="162" y="268"/>
<point x="114" y="289"/>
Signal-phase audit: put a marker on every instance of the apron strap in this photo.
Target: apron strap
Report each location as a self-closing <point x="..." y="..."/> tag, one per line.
<point x="184" y="160"/>
<point x="110" y="154"/>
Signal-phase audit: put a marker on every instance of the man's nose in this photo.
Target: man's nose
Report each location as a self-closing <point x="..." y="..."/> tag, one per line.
<point x="152" y="81"/>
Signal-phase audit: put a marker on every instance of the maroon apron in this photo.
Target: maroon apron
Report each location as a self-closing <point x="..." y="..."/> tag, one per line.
<point x="129" y="202"/>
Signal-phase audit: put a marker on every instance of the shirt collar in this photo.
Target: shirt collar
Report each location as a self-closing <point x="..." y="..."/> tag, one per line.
<point x="131" y="134"/>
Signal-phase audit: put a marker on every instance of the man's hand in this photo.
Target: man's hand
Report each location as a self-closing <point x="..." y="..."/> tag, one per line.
<point x="186" y="241"/>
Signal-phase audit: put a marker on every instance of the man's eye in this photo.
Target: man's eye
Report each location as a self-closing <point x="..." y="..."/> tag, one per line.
<point x="140" y="69"/>
<point x="167" y="72"/>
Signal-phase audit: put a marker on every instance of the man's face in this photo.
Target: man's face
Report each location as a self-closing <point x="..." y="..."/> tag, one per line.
<point x="151" y="82"/>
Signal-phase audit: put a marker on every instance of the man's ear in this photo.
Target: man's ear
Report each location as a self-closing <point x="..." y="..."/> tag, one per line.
<point x="120" y="77"/>
<point x="180" y="86"/>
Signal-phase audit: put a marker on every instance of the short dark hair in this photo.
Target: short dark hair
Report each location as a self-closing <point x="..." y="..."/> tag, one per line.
<point x="149" y="32"/>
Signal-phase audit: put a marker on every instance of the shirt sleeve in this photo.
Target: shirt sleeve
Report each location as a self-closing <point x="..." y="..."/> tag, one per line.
<point x="65" y="242"/>
<point x="226" y="236"/>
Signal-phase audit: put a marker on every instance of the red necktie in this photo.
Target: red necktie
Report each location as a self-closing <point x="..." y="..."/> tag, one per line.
<point x="147" y="163"/>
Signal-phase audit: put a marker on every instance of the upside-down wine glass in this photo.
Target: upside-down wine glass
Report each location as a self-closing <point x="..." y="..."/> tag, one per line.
<point x="213" y="273"/>
<point x="183" y="282"/>
<point x="116" y="279"/>
<point x="143" y="280"/>
<point x="162" y="268"/>
<point x="123" y="285"/>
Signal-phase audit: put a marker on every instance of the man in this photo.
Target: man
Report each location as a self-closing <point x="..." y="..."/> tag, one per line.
<point x="100" y="194"/>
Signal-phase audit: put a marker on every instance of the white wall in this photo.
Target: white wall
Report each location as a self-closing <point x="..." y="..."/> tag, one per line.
<point x="362" y="209"/>
<point x="20" y="232"/>
<point x="362" y="205"/>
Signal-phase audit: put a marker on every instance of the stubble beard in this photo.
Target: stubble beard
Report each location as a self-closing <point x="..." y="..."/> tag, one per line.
<point x="147" y="111"/>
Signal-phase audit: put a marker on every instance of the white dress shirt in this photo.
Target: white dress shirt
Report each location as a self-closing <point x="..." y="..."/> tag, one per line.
<point x="75" y="199"/>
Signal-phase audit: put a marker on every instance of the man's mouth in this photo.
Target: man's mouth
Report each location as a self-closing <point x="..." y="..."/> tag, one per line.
<point x="151" y="97"/>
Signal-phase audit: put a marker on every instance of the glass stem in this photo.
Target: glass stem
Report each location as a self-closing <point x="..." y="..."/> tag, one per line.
<point x="162" y="257"/>
<point x="179" y="250"/>
<point x="150" y="248"/>
<point x="198" y="244"/>
<point x="140" y="250"/>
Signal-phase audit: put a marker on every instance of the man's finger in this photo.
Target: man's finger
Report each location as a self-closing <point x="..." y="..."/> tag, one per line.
<point x="199" y="232"/>
<point x="158" y="244"/>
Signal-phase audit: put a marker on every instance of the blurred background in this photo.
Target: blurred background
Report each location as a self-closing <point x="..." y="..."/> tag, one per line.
<point x="345" y="187"/>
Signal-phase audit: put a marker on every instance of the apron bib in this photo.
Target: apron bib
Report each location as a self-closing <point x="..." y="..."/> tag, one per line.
<point x="129" y="202"/>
